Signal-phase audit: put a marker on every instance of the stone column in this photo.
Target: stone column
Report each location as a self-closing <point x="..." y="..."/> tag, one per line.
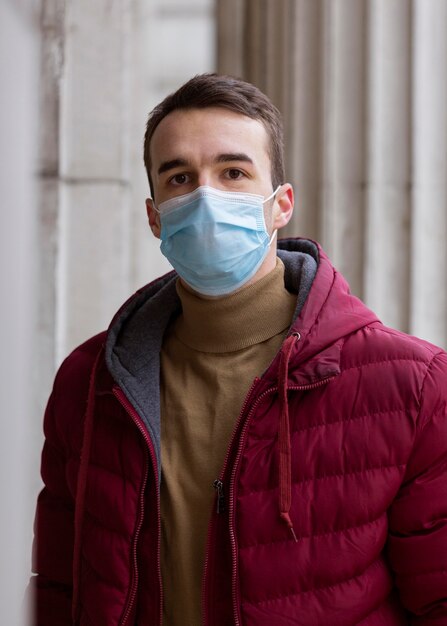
<point x="93" y="265"/>
<point x="428" y="314"/>
<point x="52" y="23"/>
<point x="388" y="211"/>
<point x="344" y="129"/>
<point x="19" y="71"/>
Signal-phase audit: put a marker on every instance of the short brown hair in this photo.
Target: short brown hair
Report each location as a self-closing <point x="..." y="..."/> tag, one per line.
<point x="228" y="92"/>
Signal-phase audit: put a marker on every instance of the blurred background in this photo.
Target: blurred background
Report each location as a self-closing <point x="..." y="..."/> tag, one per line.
<point x="362" y="85"/>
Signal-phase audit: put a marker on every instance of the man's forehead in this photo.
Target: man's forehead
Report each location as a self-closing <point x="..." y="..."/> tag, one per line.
<point x="220" y="131"/>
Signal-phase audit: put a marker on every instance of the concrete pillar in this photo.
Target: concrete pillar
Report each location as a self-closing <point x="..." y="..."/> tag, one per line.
<point x="52" y="24"/>
<point x="19" y="72"/>
<point x="94" y="241"/>
<point x="388" y="216"/>
<point x="230" y="37"/>
<point x="429" y="216"/>
<point x="344" y="127"/>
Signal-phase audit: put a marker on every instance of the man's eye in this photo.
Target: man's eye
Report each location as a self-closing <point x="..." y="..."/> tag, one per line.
<point x="234" y="173"/>
<point x="179" y="179"/>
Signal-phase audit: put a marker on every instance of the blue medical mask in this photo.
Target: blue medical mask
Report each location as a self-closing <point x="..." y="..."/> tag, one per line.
<point x="215" y="240"/>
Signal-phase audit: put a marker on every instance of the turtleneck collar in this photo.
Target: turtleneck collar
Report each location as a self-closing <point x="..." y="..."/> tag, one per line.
<point x="251" y="315"/>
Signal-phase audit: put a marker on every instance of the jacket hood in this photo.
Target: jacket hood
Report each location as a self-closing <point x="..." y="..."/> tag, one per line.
<point x="325" y="314"/>
<point x="329" y="314"/>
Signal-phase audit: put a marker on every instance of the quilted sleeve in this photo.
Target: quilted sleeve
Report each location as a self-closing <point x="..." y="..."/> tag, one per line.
<point x="50" y="590"/>
<point x="417" y="543"/>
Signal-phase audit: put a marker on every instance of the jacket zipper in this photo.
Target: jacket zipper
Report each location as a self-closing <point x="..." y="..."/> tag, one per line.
<point x="235" y="593"/>
<point x="219" y="486"/>
<point x="136" y="419"/>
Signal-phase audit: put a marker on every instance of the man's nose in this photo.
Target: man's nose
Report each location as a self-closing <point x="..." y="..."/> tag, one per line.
<point x="204" y="178"/>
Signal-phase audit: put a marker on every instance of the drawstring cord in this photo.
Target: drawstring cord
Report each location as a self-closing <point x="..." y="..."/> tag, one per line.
<point x="285" y="457"/>
<point x="81" y="486"/>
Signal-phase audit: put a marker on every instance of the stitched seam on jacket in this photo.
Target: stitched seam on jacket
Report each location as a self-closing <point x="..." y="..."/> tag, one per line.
<point x="99" y="522"/>
<point x="419" y="426"/>
<point x="429" y="573"/>
<point x="120" y="475"/>
<point x="373" y="415"/>
<point x="382" y="361"/>
<point x="352" y="419"/>
<point x="86" y="616"/>
<point x="314" y="589"/>
<point x="438" y="460"/>
<point x="323" y="534"/>
<point x="99" y="576"/>
<point x="383" y="605"/>
<point x="379" y="327"/>
<point x="326" y="476"/>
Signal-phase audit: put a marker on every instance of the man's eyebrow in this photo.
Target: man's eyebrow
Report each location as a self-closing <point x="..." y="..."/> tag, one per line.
<point x="170" y="165"/>
<point x="221" y="158"/>
<point x="237" y="156"/>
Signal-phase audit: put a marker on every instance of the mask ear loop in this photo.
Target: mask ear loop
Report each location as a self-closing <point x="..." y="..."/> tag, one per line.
<point x="272" y="195"/>
<point x="275" y="232"/>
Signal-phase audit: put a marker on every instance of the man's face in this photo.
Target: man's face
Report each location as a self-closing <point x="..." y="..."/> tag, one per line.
<point x="211" y="146"/>
<point x="224" y="150"/>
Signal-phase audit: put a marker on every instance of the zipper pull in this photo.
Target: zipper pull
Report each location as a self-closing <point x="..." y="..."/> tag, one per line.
<point x="218" y="486"/>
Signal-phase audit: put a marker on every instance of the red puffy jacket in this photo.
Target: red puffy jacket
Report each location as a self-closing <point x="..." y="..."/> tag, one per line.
<point x="331" y="508"/>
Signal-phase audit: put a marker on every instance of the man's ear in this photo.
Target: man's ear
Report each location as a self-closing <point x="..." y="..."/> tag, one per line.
<point x="153" y="217"/>
<point x="283" y="207"/>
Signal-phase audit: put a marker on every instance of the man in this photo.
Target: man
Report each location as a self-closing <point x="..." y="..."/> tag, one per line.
<point x="252" y="370"/>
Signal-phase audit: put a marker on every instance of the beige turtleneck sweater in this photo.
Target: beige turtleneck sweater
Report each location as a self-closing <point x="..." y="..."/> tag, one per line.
<point x="210" y="356"/>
